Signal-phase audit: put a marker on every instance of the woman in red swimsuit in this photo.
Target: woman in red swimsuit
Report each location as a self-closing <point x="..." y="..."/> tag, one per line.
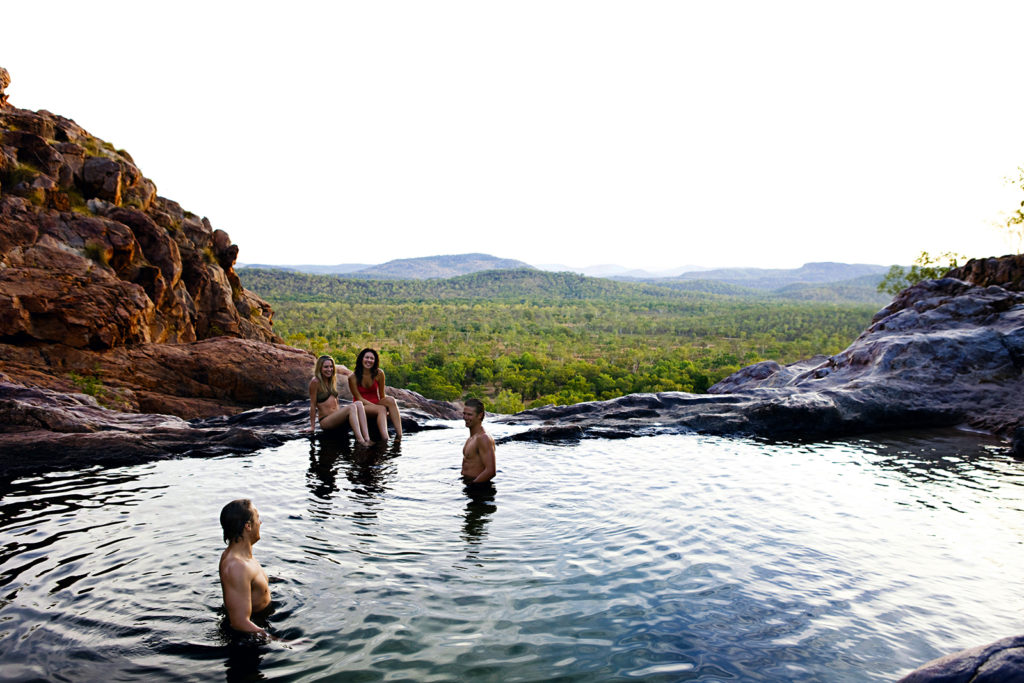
<point x="367" y="383"/>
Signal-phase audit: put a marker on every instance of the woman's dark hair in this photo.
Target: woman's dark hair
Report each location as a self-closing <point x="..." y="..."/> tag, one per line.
<point x="233" y="518"/>
<point x="359" y="365"/>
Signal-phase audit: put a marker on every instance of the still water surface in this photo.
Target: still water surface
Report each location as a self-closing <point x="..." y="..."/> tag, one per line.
<point x="660" y="558"/>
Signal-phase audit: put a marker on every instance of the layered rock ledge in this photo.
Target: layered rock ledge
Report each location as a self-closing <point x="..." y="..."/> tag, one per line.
<point x="43" y="430"/>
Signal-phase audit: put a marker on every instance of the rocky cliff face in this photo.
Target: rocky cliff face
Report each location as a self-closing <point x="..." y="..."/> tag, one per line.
<point x="99" y="273"/>
<point x="1006" y="272"/>
<point x="94" y="258"/>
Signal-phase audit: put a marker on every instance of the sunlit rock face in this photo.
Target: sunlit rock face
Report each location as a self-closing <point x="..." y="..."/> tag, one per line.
<point x="1006" y="272"/>
<point x="943" y="353"/>
<point x="93" y="258"/>
<point x="121" y="316"/>
<point x="98" y="272"/>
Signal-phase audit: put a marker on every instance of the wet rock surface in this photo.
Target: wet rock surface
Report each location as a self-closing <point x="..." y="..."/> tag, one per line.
<point x="43" y="430"/>
<point x="943" y="353"/>
<point x="998" y="662"/>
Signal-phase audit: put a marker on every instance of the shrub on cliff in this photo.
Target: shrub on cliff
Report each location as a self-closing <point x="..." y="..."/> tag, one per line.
<point x="925" y="267"/>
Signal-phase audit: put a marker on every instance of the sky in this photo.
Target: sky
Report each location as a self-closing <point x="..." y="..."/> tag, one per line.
<point x="648" y="134"/>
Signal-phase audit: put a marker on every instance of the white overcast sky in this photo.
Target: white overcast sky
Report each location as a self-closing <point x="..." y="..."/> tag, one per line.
<point x="646" y="134"/>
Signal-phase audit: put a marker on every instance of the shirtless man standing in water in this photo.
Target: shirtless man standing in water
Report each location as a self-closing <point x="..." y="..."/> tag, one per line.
<point x="245" y="585"/>
<point x="478" y="463"/>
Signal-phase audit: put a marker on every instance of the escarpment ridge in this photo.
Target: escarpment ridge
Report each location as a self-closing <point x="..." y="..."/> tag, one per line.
<point x="101" y="279"/>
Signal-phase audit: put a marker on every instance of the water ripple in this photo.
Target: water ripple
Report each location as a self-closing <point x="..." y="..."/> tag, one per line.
<point x="657" y="558"/>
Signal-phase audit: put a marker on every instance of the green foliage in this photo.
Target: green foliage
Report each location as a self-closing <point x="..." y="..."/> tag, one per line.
<point x="516" y="338"/>
<point x="1014" y="224"/>
<point x="492" y="285"/>
<point x="22" y="172"/>
<point x="78" y="202"/>
<point x="96" y="250"/>
<point x="925" y="267"/>
<point x="91" y="385"/>
<point x="507" y="402"/>
<point x="96" y="147"/>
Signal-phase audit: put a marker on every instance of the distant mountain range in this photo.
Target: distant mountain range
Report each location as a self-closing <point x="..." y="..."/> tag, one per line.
<point x="423" y="268"/>
<point x="773" y="278"/>
<point x="611" y="270"/>
<point x="340" y="269"/>
<point x="826" y="281"/>
<point x="453" y="265"/>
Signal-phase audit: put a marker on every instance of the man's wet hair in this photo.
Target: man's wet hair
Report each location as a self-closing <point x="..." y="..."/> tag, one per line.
<point x="476" y="404"/>
<point x="233" y="518"/>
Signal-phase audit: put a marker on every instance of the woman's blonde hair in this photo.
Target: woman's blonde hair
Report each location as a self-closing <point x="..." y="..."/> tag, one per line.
<point x="330" y="383"/>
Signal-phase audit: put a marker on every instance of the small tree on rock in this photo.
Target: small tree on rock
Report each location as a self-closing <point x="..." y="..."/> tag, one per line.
<point x="1014" y="223"/>
<point x="925" y="267"/>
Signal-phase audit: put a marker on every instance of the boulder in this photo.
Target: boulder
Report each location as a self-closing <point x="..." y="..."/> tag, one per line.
<point x="998" y="662"/>
<point x="101" y="178"/>
<point x="943" y="353"/>
<point x="222" y="375"/>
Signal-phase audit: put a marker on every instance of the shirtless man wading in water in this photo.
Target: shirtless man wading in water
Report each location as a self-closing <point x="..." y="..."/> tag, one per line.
<point x="478" y="462"/>
<point x="245" y="585"/>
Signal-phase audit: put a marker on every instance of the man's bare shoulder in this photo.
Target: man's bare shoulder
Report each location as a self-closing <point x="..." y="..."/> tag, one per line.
<point x="237" y="568"/>
<point x="481" y="441"/>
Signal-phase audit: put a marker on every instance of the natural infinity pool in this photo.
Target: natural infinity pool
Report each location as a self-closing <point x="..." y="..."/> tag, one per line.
<point x="659" y="558"/>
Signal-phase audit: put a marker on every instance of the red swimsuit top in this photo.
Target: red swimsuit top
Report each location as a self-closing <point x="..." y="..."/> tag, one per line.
<point x="369" y="393"/>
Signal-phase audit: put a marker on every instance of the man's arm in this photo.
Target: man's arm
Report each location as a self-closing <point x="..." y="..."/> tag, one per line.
<point x="236" y="582"/>
<point x="485" y="449"/>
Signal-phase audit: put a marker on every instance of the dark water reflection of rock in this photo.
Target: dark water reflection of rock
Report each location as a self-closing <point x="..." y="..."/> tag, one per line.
<point x="479" y="509"/>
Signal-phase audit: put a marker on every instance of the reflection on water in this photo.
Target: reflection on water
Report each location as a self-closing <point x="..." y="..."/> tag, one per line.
<point x="362" y="465"/>
<point x="661" y="558"/>
<point x="479" y="509"/>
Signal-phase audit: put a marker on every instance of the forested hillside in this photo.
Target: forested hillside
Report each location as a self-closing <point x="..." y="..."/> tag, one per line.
<point x="491" y="285"/>
<point x="528" y="337"/>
